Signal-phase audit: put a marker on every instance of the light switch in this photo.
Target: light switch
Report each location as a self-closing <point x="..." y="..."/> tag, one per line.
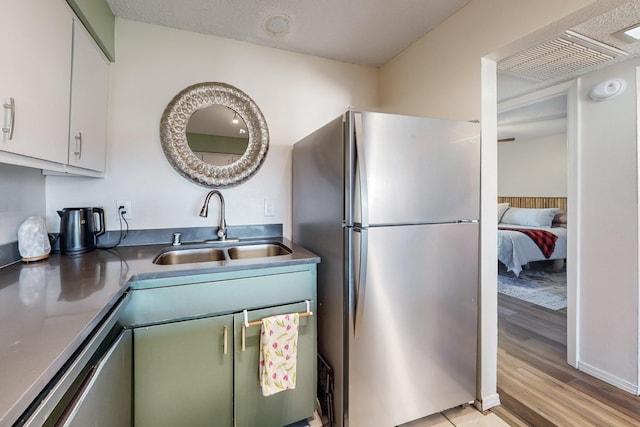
<point x="269" y="207"/>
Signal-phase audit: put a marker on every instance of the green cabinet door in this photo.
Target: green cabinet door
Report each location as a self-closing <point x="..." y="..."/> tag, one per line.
<point x="251" y="407"/>
<point x="183" y="373"/>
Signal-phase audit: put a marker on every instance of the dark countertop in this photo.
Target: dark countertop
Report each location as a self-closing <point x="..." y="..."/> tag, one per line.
<point x="48" y="308"/>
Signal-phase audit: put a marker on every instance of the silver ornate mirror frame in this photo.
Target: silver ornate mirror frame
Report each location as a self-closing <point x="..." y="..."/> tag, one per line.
<point x="173" y="136"/>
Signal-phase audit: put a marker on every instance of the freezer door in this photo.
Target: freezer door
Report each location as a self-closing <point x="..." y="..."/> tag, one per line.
<point x="413" y="170"/>
<point x="412" y="323"/>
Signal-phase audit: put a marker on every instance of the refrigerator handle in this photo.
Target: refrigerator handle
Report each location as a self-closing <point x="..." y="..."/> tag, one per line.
<point x="349" y="162"/>
<point x="360" y="281"/>
<point x="361" y="170"/>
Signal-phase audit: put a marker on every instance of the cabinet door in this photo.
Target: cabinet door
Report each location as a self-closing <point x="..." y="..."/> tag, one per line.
<point x="251" y="407"/>
<point x="36" y="52"/>
<point x="89" y="97"/>
<point x="182" y="376"/>
<point x="105" y="398"/>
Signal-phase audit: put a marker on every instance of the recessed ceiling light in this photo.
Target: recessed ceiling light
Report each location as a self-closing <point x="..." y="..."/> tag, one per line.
<point x="633" y="32"/>
<point x="629" y="35"/>
<point x="277" y="25"/>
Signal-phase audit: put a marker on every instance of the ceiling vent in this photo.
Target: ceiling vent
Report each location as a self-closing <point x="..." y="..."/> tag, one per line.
<point x="566" y="55"/>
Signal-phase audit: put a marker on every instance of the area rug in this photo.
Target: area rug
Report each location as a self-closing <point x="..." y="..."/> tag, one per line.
<point x="539" y="286"/>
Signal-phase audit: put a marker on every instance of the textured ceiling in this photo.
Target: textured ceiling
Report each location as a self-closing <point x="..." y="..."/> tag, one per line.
<point x="367" y="32"/>
<point x="549" y="63"/>
<point x="602" y="27"/>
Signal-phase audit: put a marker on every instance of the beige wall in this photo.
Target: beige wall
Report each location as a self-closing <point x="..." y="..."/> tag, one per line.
<point x="439" y="75"/>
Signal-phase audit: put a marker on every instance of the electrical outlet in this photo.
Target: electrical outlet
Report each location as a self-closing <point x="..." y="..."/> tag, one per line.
<point x="128" y="214"/>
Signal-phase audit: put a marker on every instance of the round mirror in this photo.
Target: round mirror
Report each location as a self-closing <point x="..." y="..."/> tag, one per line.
<point x="214" y="135"/>
<point x="217" y="135"/>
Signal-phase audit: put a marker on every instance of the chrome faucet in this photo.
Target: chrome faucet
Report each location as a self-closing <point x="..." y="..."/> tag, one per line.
<point x="204" y="212"/>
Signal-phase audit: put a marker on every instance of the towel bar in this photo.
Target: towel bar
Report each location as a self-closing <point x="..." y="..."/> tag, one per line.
<point x="248" y="324"/>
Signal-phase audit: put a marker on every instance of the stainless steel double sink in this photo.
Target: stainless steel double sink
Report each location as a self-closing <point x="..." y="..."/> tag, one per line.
<point x="219" y="251"/>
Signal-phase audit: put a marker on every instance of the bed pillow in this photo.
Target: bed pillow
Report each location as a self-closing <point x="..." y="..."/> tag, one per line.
<point x="502" y="207"/>
<point x="529" y="217"/>
<point x="560" y="219"/>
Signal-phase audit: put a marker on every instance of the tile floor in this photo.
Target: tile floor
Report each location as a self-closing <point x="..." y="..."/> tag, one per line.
<point x="467" y="416"/>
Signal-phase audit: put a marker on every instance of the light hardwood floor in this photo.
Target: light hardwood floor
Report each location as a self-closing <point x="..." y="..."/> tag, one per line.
<point x="536" y="385"/>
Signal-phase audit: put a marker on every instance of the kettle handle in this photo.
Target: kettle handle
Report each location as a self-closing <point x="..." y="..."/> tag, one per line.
<point x="102" y="228"/>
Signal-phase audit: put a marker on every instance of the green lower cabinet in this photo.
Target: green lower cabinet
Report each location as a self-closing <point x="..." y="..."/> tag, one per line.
<point x="190" y="368"/>
<point x="183" y="373"/>
<point x="251" y="407"/>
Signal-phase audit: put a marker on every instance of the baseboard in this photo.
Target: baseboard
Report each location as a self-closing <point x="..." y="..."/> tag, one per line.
<point x="608" y="378"/>
<point x="487" y="403"/>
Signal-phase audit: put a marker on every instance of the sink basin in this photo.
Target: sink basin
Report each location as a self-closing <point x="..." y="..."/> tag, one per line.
<point x="215" y="252"/>
<point x="257" y="251"/>
<point x="188" y="256"/>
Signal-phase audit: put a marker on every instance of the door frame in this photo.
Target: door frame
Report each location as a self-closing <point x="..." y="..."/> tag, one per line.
<point x="569" y="89"/>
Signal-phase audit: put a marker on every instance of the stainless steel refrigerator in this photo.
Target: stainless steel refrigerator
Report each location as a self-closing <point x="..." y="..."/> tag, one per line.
<point x="391" y="205"/>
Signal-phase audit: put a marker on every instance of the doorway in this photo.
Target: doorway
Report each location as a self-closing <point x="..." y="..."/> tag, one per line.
<point x="533" y="106"/>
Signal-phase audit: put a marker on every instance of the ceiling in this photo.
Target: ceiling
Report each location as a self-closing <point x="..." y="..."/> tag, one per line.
<point x="535" y="120"/>
<point x="366" y="32"/>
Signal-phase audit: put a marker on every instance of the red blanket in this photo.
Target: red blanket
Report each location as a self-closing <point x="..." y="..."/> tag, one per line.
<point x="545" y="240"/>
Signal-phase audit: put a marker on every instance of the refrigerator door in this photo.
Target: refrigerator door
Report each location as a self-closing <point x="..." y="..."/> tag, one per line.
<point x="414" y="351"/>
<point x="414" y="170"/>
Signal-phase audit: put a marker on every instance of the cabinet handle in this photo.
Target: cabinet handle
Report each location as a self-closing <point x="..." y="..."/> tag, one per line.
<point x="64" y="419"/>
<point x="11" y="106"/>
<point x="224" y="340"/>
<point x="244" y="337"/>
<point x="78" y="151"/>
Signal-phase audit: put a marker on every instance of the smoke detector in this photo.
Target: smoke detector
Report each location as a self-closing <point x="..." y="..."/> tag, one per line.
<point x="566" y="55"/>
<point x="277" y="25"/>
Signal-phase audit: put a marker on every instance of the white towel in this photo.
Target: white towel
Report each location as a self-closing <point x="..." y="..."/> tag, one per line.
<point x="278" y="350"/>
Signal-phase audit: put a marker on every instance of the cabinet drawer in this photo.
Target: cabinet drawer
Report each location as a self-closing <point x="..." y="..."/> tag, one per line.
<point x="157" y="305"/>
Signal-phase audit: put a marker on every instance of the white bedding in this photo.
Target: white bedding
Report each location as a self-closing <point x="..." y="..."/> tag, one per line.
<point x="516" y="249"/>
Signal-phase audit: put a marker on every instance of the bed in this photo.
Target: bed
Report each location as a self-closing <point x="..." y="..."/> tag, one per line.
<point x="517" y="228"/>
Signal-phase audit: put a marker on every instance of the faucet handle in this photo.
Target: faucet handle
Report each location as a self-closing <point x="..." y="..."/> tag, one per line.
<point x="176" y="239"/>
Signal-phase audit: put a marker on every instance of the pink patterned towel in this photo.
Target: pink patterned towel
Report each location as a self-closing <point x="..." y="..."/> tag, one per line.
<point x="278" y="349"/>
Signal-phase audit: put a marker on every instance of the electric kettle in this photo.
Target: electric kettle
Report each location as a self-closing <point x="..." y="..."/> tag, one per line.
<point x="78" y="230"/>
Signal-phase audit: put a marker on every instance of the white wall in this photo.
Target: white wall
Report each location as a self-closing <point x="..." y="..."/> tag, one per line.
<point x="296" y="93"/>
<point x="533" y="167"/>
<point x="608" y="230"/>
<point x="21" y="196"/>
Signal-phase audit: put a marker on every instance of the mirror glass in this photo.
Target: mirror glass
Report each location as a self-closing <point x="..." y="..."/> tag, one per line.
<point x="217" y="135"/>
<point x="202" y="141"/>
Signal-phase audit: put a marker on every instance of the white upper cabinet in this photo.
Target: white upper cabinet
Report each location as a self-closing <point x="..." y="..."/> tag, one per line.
<point x="35" y="70"/>
<point x="89" y="98"/>
<point x="54" y="84"/>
